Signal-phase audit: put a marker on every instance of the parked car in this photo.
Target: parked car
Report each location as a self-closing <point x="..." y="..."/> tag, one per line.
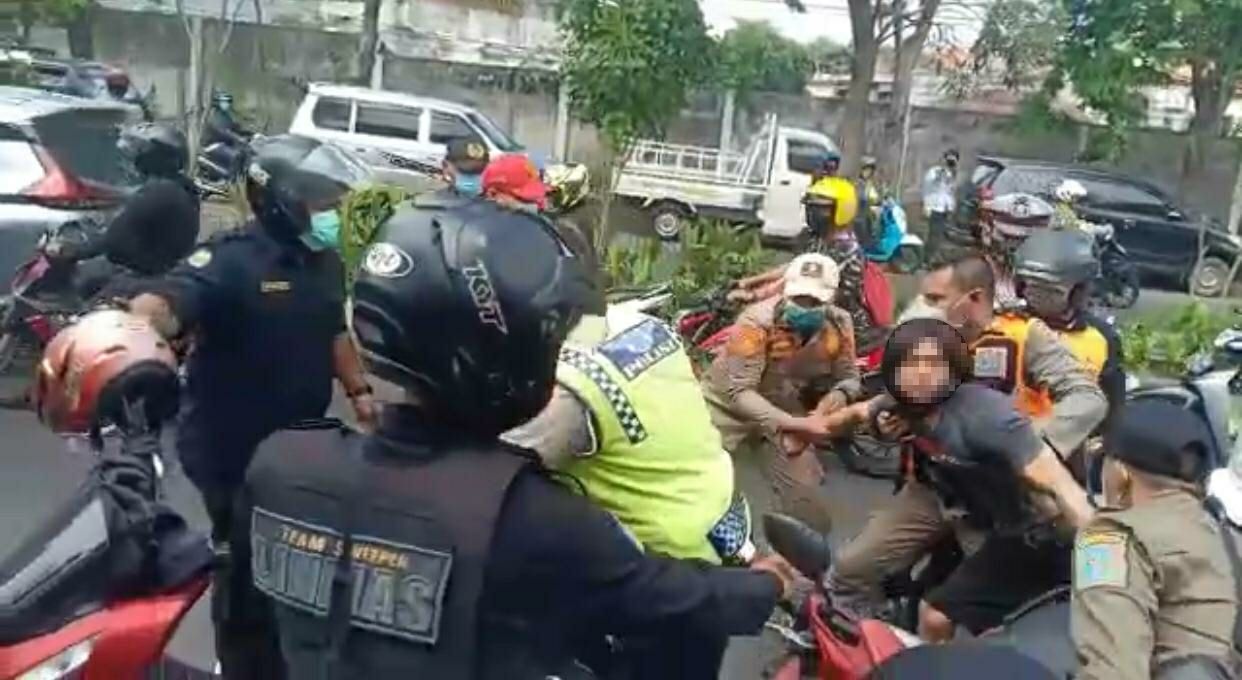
<point x="1161" y="236"/>
<point x="58" y="162"/>
<point x="397" y="134"/>
<point x="761" y="185"/>
<point x="89" y="79"/>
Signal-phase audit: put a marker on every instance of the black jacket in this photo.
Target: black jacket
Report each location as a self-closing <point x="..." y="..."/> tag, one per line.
<point x="557" y="571"/>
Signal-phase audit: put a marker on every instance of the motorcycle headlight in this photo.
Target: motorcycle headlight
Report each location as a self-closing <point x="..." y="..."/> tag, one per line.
<point x="62" y="664"/>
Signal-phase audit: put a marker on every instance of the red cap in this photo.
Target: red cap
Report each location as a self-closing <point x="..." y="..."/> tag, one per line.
<point x="515" y="176"/>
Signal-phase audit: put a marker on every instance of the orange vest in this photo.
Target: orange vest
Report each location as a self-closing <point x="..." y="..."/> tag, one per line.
<point x="1000" y="361"/>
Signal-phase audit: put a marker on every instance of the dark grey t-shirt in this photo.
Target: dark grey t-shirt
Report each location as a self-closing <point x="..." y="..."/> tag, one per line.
<point x="979" y="424"/>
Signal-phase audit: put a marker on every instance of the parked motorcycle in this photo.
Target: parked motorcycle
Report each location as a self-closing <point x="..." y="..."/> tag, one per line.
<point x="42" y="297"/>
<point x="221" y="167"/>
<point x="1117" y="286"/>
<point x="896" y="247"/>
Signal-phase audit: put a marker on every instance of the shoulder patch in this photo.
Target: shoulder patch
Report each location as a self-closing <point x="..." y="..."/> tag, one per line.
<point x="1100" y="560"/>
<point x="199" y="258"/>
<point x="747" y="341"/>
<point x="640" y="347"/>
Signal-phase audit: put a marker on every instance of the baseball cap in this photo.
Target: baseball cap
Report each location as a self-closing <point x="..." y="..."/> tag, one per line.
<point x="515" y="176"/>
<point x="1153" y="436"/>
<point x="467" y="154"/>
<point x="812" y="275"/>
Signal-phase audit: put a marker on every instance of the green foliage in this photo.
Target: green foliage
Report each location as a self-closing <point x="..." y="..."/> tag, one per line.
<point x="629" y="65"/>
<point x="60" y="11"/>
<point x="1164" y="344"/>
<point x="754" y="56"/>
<point x="1018" y="42"/>
<point x="362" y="212"/>
<point x="1115" y="47"/>
<point x="712" y="254"/>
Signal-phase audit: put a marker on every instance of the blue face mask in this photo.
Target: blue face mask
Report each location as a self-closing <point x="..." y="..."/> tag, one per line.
<point x="469" y="185"/>
<point x="806" y="321"/>
<point x="325" y="231"/>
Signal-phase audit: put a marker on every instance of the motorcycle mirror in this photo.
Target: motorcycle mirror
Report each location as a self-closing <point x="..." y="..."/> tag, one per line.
<point x="805" y="548"/>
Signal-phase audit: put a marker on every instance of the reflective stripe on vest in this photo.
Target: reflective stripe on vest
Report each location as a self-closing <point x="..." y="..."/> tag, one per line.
<point x="660" y="467"/>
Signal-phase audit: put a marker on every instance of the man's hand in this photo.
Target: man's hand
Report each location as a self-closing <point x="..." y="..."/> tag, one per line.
<point x="833" y="401"/>
<point x="892" y="427"/>
<point x="792" y="444"/>
<point x="813" y="427"/>
<point x="780" y="568"/>
<point x="366" y="411"/>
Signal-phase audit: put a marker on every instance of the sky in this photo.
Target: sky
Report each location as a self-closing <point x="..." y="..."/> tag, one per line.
<point x="824" y="18"/>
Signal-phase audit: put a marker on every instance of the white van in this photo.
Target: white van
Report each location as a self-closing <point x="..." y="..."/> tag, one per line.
<point x="397" y="134"/>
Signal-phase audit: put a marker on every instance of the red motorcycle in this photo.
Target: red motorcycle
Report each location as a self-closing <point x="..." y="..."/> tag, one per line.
<point x="827" y="643"/>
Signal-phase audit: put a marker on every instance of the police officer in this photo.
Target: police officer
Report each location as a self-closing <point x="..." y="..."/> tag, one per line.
<point x="265" y="308"/>
<point x="430" y="549"/>
<point x="1014" y="353"/>
<point x="1152" y="579"/>
<point x="781" y="349"/>
<point x="1054" y="270"/>
<point x="628" y="422"/>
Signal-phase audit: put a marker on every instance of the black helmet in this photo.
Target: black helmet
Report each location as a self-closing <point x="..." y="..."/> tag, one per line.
<point x="467" y="304"/>
<point x="153" y="149"/>
<point x="1065" y="257"/>
<point x="290" y="176"/>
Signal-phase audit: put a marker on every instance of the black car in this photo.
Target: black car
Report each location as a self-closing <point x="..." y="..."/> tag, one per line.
<point x="1162" y="238"/>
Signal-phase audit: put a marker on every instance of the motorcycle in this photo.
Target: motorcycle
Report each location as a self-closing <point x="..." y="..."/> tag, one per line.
<point x="896" y="246"/>
<point x="1117" y="286"/>
<point x="99" y="589"/>
<point x="221" y="167"/>
<point x="828" y="643"/>
<point x="42" y="296"/>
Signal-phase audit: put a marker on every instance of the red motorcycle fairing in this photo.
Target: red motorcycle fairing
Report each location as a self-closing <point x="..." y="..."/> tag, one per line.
<point x="849" y="650"/>
<point x="126" y="638"/>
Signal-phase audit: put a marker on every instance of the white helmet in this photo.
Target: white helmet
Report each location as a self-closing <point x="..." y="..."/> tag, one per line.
<point x="1070" y="190"/>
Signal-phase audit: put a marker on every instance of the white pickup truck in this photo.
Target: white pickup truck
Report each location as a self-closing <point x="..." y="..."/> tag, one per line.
<point x="762" y="185"/>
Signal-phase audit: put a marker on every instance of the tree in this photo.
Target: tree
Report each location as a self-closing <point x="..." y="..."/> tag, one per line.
<point x="629" y="66"/>
<point x="755" y="56"/>
<point x="1115" y="47"/>
<point x="203" y="63"/>
<point x="368" y="42"/>
<point x="75" y="16"/>
<point x="1017" y="45"/>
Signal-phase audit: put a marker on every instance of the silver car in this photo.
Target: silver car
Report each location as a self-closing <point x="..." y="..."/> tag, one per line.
<point x="58" y="162"/>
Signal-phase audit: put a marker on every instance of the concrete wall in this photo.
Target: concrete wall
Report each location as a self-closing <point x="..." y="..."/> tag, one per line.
<point x="264" y="67"/>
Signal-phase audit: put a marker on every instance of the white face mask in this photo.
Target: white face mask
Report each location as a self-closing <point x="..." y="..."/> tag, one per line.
<point x="920" y="308"/>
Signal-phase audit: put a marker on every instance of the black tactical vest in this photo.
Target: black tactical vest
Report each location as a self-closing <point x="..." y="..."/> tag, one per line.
<point x="375" y="559"/>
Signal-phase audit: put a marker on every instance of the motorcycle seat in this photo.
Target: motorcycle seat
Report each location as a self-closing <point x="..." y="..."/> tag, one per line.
<point x="805" y="548"/>
<point x="73" y="566"/>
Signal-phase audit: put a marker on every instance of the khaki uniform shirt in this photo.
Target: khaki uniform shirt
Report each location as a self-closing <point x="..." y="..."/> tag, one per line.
<point x="759" y="377"/>
<point x="1151" y="583"/>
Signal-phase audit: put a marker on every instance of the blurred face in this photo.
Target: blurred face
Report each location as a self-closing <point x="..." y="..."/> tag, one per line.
<point x="867" y="172"/>
<point x="950" y="159"/>
<point x="967" y="310"/>
<point x="924" y="376"/>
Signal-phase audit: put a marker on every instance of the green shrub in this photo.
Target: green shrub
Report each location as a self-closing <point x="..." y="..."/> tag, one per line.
<point x="712" y="254"/>
<point x="361" y="214"/>
<point x="1165" y="342"/>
